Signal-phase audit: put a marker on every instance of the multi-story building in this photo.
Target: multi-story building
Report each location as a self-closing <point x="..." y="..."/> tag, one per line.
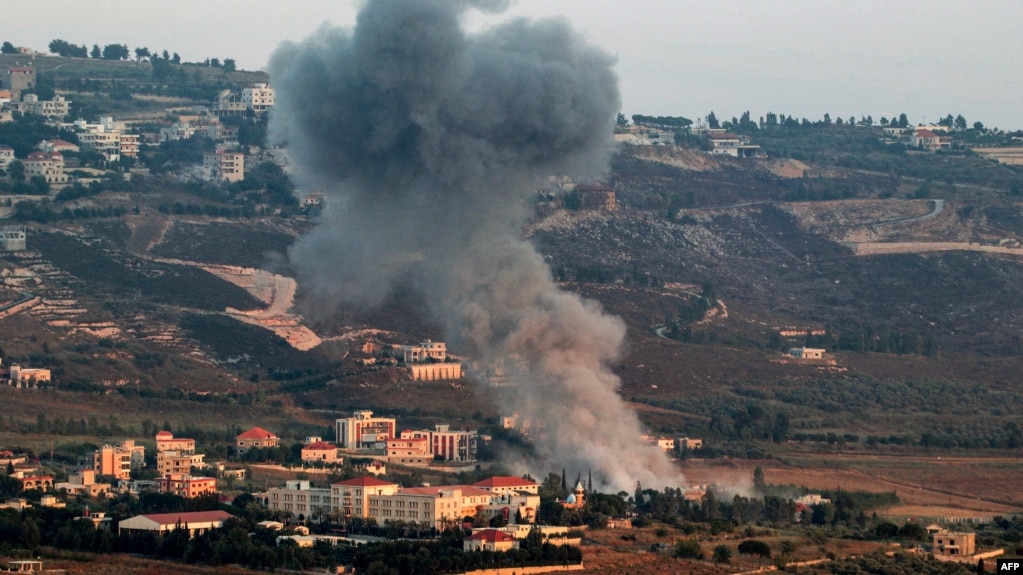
<point x="363" y="431"/>
<point x="185" y="485"/>
<point x="177" y="463"/>
<point x="49" y="166"/>
<point x="258" y="98"/>
<point x="119" y="460"/>
<point x="6" y="157"/>
<point x="351" y="497"/>
<point x="508" y="485"/>
<point x="409" y="450"/>
<point x="165" y="441"/>
<point x="255" y="437"/>
<point x="129" y="145"/>
<point x="447" y="445"/>
<point x="106" y="143"/>
<point x="18" y="79"/>
<point x="57" y="107"/>
<point x="225" y="166"/>
<point x="56" y="145"/>
<point x="954" y="543"/>
<point x="301" y="499"/>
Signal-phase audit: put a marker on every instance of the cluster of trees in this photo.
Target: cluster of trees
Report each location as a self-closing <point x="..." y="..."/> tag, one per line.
<point x="668" y="122"/>
<point x="120" y="52"/>
<point x="884" y="340"/>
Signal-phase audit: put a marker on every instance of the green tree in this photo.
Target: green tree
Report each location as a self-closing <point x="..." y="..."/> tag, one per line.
<point x="115" y="52"/>
<point x="754" y="547"/>
<point x="960" y="122"/>
<point x="16" y="170"/>
<point x="758" y="479"/>
<point x="688" y="549"/>
<point x="229" y="65"/>
<point x="142" y="54"/>
<point x="96" y="53"/>
<point x="712" y="120"/>
<point x="722" y="554"/>
<point x="8" y="48"/>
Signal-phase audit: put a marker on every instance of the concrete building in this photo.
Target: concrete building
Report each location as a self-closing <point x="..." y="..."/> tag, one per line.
<point x="320" y="451"/>
<point x="807" y="353"/>
<point x="165" y="441"/>
<point x="196" y="522"/>
<point x="954" y="543"/>
<point x="445" y="444"/>
<point x="49" y="166"/>
<point x="301" y="499"/>
<point x="119" y="460"/>
<point x="185" y="485"/>
<point x="255" y="437"/>
<point x="688" y="443"/>
<point x="58" y="107"/>
<point x="84" y="483"/>
<point x="56" y="145"/>
<point x="177" y="463"/>
<point x="129" y="145"/>
<point x="507" y="484"/>
<point x="18" y="79"/>
<point x="28" y="376"/>
<point x="224" y="166"/>
<point x="596" y="196"/>
<point x="258" y="98"/>
<point x="413" y="451"/>
<point x="6" y="157"/>
<point x="351" y="497"/>
<point x="107" y="143"/>
<point x="363" y="431"/>
<point x="435" y="371"/>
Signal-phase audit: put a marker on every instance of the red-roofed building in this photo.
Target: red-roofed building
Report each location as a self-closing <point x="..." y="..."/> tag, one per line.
<point x="351" y="496"/>
<point x="40" y="482"/>
<point x="925" y="139"/>
<point x="506" y="484"/>
<point x="196" y="522"/>
<point x="165" y="441"/>
<point x="56" y="145"/>
<point x="255" y="437"/>
<point x="489" y="540"/>
<point x="320" y="451"/>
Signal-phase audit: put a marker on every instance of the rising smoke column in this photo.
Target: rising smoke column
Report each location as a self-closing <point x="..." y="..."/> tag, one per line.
<point x="428" y="142"/>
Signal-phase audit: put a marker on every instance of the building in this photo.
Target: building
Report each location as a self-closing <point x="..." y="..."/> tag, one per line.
<point x="258" y="98"/>
<point x="507" y="484"/>
<point x="522" y="425"/>
<point x="84" y="483"/>
<point x="119" y="460"/>
<point x="6" y="157"/>
<point x="56" y="145"/>
<point x="27" y="376"/>
<point x="185" y="485"/>
<point x="596" y="196"/>
<point x="40" y="482"/>
<point x="350" y="498"/>
<point x="409" y="450"/>
<point x="129" y="145"/>
<point x="18" y="79"/>
<point x="58" y="107"/>
<point x="363" y="431"/>
<point x="255" y="437"/>
<point x="165" y="441"/>
<point x="196" y="522"/>
<point x="490" y="540"/>
<point x="435" y="371"/>
<point x="320" y="451"/>
<point x="576" y="499"/>
<point x="954" y="543"/>
<point x="807" y="353"/>
<point x="224" y="166"/>
<point x="49" y="166"/>
<point x="299" y="498"/>
<point x="688" y="443"/>
<point x="176" y="462"/>
<point x="447" y="445"/>
<point x="107" y="143"/>
<point x="927" y="139"/>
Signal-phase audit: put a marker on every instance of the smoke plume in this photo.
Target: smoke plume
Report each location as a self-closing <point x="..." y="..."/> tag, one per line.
<point x="428" y="142"/>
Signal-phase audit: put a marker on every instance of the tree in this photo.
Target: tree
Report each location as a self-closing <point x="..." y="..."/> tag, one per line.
<point x="16" y="170"/>
<point x="95" y="53"/>
<point x="722" y="554"/>
<point x="141" y="54"/>
<point x="67" y="49"/>
<point x="229" y="65"/>
<point x="115" y="52"/>
<point x="175" y="58"/>
<point x="960" y="122"/>
<point x="712" y="120"/>
<point x="754" y="547"/>
<point x="8" y="48"/>
<point x="903" y="121"/>
<point x="758" y="479"/>
<point x="688" y="549"/>
<point x="979" y="126"/>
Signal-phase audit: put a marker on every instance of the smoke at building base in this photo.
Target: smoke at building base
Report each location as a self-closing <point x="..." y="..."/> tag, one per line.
<point x="428" y="142"/>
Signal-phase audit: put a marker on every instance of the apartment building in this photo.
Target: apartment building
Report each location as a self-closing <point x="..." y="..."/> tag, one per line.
<point x="363" y="431"/>
<point x="176" y="462"/>
<point x="107" y="143"/>
<point x="165" y="441"/>
<point x="185" y="485"/>
<point x="224" y="166"/>
<point x="445" y="444"/>
<point x="49" y="166"/>
<point x="258" y="98"/>
<point x="119" y="460"/>
<point x="351" y="497"/>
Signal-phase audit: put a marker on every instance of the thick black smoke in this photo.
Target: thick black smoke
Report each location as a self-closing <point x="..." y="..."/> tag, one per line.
<point x="428" y="142"/>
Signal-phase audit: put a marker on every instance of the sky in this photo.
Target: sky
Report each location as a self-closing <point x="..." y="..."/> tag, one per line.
<point x="925" y="58"/>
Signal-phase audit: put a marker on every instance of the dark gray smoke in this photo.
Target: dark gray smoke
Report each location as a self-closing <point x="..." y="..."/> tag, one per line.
<point x="429" y="142"/>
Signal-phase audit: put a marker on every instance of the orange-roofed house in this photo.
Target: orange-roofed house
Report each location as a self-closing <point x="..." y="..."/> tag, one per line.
<point x="320" y="451"/>
<point x="489" y="540"/>
<point x="255" y="437"/>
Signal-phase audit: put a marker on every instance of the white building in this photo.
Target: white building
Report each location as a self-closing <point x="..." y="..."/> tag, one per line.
<point x="301" y="499"/>
<point x="224" y="166"/>
<point x="258" y="98"/>
<point x="50" y="166"/>
<point x="363" y="431"/>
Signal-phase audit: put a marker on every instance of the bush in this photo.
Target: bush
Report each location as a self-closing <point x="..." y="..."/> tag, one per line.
<point x="688" y="549"/>
<point x="754" y="547"/>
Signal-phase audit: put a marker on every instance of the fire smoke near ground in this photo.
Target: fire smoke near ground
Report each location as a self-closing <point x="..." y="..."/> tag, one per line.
<point x="428" y="142"/>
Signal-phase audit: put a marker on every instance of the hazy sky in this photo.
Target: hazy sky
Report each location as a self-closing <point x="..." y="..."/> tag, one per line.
<point x="927" y="58"/>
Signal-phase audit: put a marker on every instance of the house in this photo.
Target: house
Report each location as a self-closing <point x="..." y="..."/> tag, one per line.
<point x="596" y="196"/>
<point x="165" y="441"/>
<point x="119" y="460"/>
<point x="40" y="482"/>
<point x="258" y="98"/>
<point x="6" y="157"/>
<point x="24" y="375"/>
<point x="807" y="353"/>
<point x="84" y="483"/>
<point x="688" y="443"/>
<point x="56" y="145"/>
<point x="196" y="522"/>
<point x="184" y="485"/>
<point x="954" y="543"/>
<point x="489" y="540"/>
<point x="18" y="79"/>
<point x="363" y="431"/>
<point x="255" y="437"/>
<point x="728" y="144"/>
<point x="320" y="451"/>
<point x="49" y="166"/>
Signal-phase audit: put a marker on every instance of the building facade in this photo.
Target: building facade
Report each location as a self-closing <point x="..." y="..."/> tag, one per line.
<point x="255" y="437"/>
<point x="119" y="460"/>
<point x="301" y="499"/>
<point x="363" y="431"/>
